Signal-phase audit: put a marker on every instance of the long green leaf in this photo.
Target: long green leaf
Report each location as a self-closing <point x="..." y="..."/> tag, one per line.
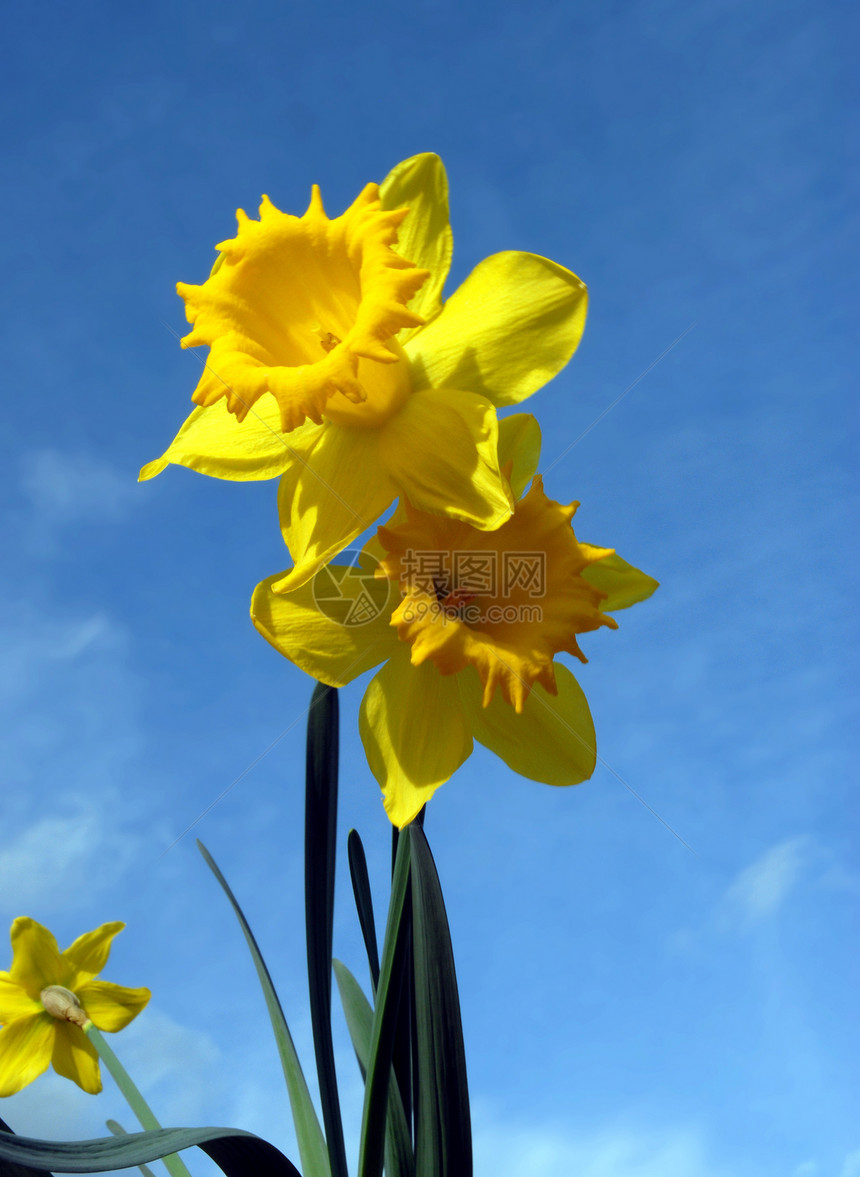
<point x="443" y="1134"/>
<point x="236" y="1153"/>
<point x="173" y="1163"/>
<point x="117" y="1129"/>
<point x="376" y="1088"/>
<point x="363" y="902"/>
<point x="402" y="1054"/>
<point x="312" y="1147"/>
<point x="12" y="1168"/>
<point x="399" y="1157"/>
<point x="320" y="850"/>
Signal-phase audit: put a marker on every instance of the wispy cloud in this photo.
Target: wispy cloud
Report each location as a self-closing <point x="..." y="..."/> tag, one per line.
<point x="65" y="488"/>
<point x="35" y="641"/>
<point x="174" y="1066"/>
<point x="760" y="890"/>
<point x="68" y="706"/>
<point x="178" y="1065"/>
<point x="68" y="703"/>
<point x="510" y="1150"/>
<point x="51" y="860"/>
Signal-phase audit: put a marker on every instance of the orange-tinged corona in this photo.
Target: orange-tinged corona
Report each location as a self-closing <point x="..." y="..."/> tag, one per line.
<point x="532" y="599"/>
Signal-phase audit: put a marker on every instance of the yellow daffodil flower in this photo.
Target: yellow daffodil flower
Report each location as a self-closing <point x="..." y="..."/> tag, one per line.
<point x="468" y="636"/>
<point x="334" y="363"/>
<point x="46" y="999"/>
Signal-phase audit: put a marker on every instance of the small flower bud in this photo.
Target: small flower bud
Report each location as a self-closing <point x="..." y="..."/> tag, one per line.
<point x="62" y="1004"/>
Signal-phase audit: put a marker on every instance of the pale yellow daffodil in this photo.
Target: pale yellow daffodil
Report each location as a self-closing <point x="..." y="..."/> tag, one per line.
<point x="468" y="640"/>
<point x="335" y="364"/>
<point x="43" y="979"/>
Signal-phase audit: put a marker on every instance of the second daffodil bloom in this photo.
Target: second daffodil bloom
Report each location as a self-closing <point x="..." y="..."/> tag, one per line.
<point x="469" y="637"/>
<point x="335" y="364"/>
<point x="48" y="996"/>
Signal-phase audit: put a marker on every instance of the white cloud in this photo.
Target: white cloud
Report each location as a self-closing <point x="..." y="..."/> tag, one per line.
<point x="759" y="890"/>
<point x="511" y="1150"/>
<point x="68" y="706"/>
<point x="177" y="1064"/>
<point x="34" y="642"/>
<point x="74" y="487"/>
<point x="851" y="1167"/>
<point x="44" y="866"/>
<point x="172" y="1065"/>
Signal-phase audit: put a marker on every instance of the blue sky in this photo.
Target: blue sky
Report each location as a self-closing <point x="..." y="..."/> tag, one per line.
<point x="632" y="1008"/>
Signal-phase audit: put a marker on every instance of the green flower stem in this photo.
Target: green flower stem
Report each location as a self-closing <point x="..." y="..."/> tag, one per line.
<point x="173" y="1163"/>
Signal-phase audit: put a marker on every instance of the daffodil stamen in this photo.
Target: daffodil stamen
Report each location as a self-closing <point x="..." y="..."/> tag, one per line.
<point x="61" y="1003"/>
<point x="328" y="341"/>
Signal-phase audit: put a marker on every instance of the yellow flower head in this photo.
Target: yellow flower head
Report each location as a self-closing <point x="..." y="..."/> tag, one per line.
<point x="47" y="997"/>
<point x="335" y="364"/>
<point x="468" y="637"/>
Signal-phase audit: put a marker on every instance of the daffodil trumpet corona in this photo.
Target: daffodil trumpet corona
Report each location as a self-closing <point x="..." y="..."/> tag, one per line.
<point x="468" y="636"/>
<point x="335" y="364"/>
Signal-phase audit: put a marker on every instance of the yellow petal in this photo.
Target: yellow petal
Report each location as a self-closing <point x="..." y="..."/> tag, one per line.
<point x="25" y="1051"/>
<point x="335" y="626"/>
<point x="511" y="326"/>
<point x="111" y="1007"/>
<point x="334" y="492"/>
<point x="15" y="1002"/>
<point x="213" y="442"/>
<point x="623" y="584"/>
<point x="551" y="740"/>
<point x="89" y="953"/>
<point x="36" y="960"/>
<point x="420" y="184"/>
<point x="373" y="548"/>
<point x="75" y="1057"/>
<point x="414" y="733"/>
<point x="441" y="450"/>
<point x="519" y="444"/>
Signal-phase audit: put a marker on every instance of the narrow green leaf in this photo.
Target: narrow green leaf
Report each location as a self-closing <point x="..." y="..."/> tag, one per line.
<point x="399" y="1157"/>
<point x="117" y="1129"/>
<point x="372" y="1145"/>
<point x="312" y="1147"/>
<point x="320" y="851"/>
<point x="236" y="1153"/>
<point x="443" y="1134"/>
<point x="173" y="1163"/>
<point x="12" y="1168"/>
<point x="363" y="902"/>
<point x="404" y="1052"/>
